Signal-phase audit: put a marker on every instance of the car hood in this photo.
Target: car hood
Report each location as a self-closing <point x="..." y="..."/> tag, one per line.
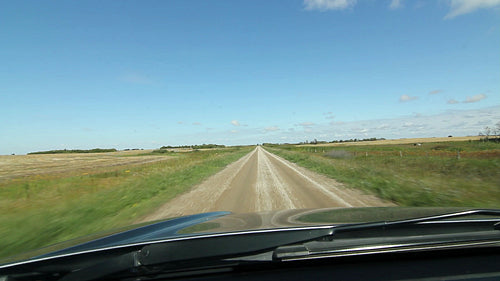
<point x="222" y="222"/>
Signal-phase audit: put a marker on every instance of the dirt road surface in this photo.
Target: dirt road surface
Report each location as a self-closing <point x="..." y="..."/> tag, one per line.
<point x="261" y="181"/>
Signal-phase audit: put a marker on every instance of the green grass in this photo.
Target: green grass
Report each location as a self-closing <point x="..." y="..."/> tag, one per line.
<point x="39" y="212"/>
<point x="421" y="177"/>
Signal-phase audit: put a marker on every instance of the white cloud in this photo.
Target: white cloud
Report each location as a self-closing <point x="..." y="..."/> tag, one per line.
<point x="483" y="123"/>
<point x="329" y="115"/>
<point x="456" y="122"/>
<point x="333" y="123"/>
<point x="451" y="122"/>
<point x="395" y="4"/>
<point x="235" y="123"/>
<point x="271" y="129"/>
<point x="196" y="123"/>
<point x="405" y="98"/>
<point x="306" y="124"/>
<point x="452" y="101"/>
<point x="435" y="92"/>
<point x="462" y="7"/>
<point x="475" y="98"/>
<point x="324" y="5"/>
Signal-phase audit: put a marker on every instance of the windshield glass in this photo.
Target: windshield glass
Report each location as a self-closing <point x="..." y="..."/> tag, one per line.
<point x="119" y="113"/>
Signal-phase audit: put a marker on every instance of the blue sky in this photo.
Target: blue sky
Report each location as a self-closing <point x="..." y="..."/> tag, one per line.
<point x="127" y="74"/>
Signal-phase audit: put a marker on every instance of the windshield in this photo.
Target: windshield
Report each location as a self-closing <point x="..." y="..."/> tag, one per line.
<point x="119" y="113"/>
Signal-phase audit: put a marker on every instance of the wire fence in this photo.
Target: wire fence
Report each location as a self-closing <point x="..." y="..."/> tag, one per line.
<point x="487" y="154"/>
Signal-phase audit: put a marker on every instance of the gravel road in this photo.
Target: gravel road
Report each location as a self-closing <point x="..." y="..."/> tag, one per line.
<point x="262" y="181"/>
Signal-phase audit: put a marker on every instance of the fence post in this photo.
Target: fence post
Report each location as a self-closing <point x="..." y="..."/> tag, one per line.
<point x="400" y="154"/>
<point x="458" y="154"/>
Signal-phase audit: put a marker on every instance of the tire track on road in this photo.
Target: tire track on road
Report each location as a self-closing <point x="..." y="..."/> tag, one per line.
<point x="272" y="193"/>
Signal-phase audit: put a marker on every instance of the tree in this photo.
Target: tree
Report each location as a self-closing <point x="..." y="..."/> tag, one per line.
<point x="496" y="131"/>
<point x="487" y="131"/>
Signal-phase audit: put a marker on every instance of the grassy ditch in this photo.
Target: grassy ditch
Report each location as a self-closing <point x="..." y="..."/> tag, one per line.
<point x="431" y="174"/>
<point x="36" y="212"/>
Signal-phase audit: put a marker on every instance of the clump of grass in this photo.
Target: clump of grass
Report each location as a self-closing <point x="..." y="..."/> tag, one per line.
<point x="162" y="151"/>
<point x="40" y="212"/>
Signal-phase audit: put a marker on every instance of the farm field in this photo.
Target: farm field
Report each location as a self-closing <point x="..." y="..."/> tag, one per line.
<point x="71" y="197"/>
<point x="63" y="164"/>
<point x="462" y="173"/>
<point x="400" y="141"/>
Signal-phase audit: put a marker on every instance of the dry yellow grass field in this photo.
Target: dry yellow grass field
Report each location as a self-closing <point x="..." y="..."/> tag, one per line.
<point x="399" y="141"/>
<point x="49" y="165"/>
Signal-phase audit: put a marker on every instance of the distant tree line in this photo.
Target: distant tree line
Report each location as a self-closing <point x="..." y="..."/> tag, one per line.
<point x="315" y="141"/>
<point x="355" y="140"/>
<point x="95" y="150"/>
<point x="197" y="146"/>
<point x="340" y="141"/>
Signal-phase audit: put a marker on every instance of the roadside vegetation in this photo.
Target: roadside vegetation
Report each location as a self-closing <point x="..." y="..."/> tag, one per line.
<point x="429" y="174"/>
<point x="38" y="211"/>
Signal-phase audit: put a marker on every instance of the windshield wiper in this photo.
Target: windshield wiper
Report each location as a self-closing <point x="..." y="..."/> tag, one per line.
<point x="432" y="232"/>
<point x="437" y="218"/>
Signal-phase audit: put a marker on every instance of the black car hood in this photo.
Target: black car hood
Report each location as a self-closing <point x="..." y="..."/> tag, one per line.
<point x="221" y="222"/>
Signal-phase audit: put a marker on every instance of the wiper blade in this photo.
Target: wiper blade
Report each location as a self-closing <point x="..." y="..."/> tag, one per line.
<point x="431" y="232"/>
<point x="436" y="218"/>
